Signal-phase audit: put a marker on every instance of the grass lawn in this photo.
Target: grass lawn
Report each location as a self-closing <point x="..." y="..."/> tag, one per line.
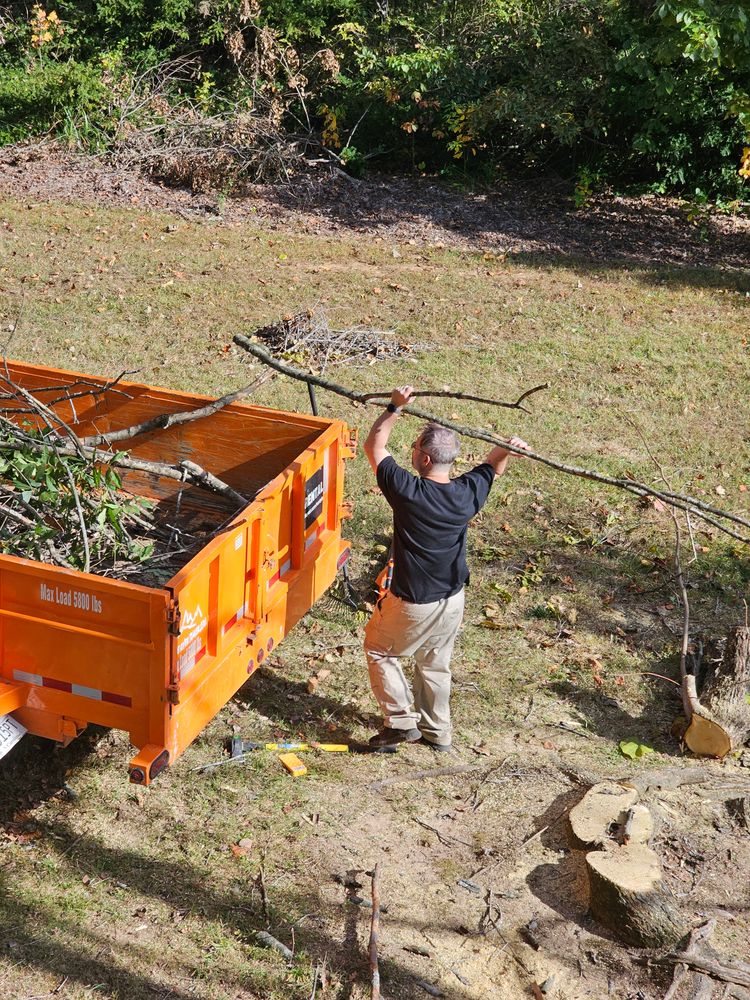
<point x="126" y="893"/>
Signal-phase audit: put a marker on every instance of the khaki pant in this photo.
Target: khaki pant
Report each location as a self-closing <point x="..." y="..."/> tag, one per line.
<point x="427" y="632"/>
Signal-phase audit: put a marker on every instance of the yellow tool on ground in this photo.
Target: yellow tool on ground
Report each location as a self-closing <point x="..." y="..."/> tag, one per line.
<point x="293" y="764"/>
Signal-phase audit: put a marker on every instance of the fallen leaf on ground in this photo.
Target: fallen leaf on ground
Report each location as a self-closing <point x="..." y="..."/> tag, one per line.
<point x="633" y="750"/>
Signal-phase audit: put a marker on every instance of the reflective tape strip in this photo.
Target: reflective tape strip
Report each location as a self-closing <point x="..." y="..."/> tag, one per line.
<point x="284" y="568"/>
<point x="80" y="690"/>
<point x="50" y="682"/>
<point x="314" y="535"/>
<point x="190" y="658"/>
<point x="239" y="613"/>
<point x="21" y="675"/>
<point x="85" y="692"/>
<point x="116" y="699"/>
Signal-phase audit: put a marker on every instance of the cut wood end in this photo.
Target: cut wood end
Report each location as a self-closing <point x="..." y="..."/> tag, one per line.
<point x="634" y="867"/>
<point x="640" y="826"/>
<point x="707" y="738"/>
<point x="601" y="807"/>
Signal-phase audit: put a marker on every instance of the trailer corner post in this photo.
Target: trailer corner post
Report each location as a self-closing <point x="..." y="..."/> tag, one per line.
<point x="148" y="764"/>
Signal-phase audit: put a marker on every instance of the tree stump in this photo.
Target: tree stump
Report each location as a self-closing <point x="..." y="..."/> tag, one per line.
<point x="602" y="809"/>
<point x="627" y="895"/>
<point x="626" y="891"/>
<point x="721" y="718"/>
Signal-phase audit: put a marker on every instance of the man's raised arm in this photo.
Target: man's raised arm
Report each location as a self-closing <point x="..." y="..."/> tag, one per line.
<point x="376" y="445"/>
<point x="498" y="457"/>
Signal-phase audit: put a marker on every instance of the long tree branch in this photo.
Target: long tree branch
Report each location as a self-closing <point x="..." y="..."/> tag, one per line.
<point x="182" y="472"/>
<point x="165" y="420"/>
<point x="367" y="397"/>
<point x="681" y="501"/>
<point x="690" y="702"/>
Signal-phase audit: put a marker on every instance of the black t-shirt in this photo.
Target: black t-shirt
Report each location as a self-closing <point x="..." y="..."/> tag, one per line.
<point x="429" y="529"/>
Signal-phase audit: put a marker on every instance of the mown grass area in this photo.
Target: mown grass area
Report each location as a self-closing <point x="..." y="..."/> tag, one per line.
<point x="132" y="893"/>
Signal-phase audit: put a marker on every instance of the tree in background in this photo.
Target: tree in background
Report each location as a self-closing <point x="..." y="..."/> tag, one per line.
<point x="598" y="91"/>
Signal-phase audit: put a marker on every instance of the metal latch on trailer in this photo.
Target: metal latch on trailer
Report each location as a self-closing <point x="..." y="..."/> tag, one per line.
<point x="173" y="617"/>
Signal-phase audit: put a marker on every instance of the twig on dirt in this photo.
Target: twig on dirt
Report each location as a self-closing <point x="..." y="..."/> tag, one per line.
<point x="434" y="991"/>
<point x="70" y="846"/>
<point x="260" y="881"/>
<point x="662" y="677"/>
<point x="487" y="917"/>
<point x="727" y="970"/>
<point x="575" y="730"/>
<point x="544" y="829"/>
<point x="680" y="501"/>
<point x="165" y="420"/>
<point x="52" y="993"/>
<point x="374" y="932"/>
<point x="271" y="942"/>
<point x="431" y="772"/>
<point x="680" y="971"/>
<point x="443" y="838"/>
<point x="315" y="982"/>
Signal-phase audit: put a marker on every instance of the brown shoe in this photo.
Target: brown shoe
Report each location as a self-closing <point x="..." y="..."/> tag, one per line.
<point x="438" y="747"/>
<point x="392" y="737"/>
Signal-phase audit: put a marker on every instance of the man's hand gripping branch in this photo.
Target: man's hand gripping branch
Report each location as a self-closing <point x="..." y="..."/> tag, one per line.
<point x="376" y="445"/>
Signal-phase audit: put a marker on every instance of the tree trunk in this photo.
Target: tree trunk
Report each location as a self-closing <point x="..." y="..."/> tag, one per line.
<point x="626" y="889"/>
<point x="628" y="896"/>
<point x="721" y="718"/>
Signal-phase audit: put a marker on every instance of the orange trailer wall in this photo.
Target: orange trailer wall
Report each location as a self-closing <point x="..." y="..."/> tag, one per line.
<point x="82" y="649"/>
<point x="159" y="663"/>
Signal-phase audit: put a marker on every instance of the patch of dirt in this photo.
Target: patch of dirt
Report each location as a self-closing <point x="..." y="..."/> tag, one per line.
<point x="521" y="218"/>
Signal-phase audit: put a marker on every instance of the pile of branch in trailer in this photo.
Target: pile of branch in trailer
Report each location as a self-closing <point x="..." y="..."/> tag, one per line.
<point x="62" y="498"/>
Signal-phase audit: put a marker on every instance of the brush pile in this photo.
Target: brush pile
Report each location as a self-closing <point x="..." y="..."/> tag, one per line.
<point x="307" y="338"/>
<point x="62" y="498"/>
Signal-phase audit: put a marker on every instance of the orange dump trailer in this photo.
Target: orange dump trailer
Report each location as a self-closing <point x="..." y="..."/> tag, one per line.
<point x="160" y="662"/>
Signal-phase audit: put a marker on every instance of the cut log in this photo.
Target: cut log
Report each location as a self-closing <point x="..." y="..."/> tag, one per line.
<point x="628" y="896"/>
<point x="721" y="722"/>
<point x="599" y="814"/>
<point x="707" y="737"/>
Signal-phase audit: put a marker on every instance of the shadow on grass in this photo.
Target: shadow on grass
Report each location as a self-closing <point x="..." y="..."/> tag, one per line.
<point x="187" y="889"/>
<point x="628" y="623"/>
<point x="311" y="715"/>
<point x="538" y="223"/>
<point x="605" y="717"/>
<point x="35" y="770"/>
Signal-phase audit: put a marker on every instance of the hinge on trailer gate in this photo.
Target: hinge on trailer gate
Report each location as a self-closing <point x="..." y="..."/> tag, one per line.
<point x="173" y="618"/>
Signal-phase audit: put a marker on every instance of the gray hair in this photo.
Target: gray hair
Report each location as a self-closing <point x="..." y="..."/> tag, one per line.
<point x="440" y="443"/>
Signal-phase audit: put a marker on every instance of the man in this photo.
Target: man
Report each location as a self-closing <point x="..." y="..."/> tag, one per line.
<point x="420" y="614"/>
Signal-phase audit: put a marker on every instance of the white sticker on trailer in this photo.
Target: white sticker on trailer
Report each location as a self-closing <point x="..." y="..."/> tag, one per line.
<point x="11" y="732"/>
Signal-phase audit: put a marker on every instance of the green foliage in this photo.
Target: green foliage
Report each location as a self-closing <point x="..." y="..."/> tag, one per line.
<point x="52" y="493"/>
<point x="598" y="91"/>
<point x="633" y="750"/>
<point x="50" y="95"/>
